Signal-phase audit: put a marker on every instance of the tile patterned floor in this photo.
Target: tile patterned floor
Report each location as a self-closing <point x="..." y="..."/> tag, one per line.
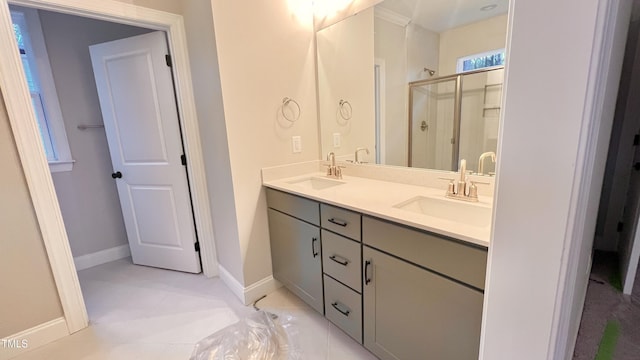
<point x="140" y="313"/>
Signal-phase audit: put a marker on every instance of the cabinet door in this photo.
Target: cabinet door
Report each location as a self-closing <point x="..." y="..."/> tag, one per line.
<point x="412" y="313"/>
<point x="297" y="258"/>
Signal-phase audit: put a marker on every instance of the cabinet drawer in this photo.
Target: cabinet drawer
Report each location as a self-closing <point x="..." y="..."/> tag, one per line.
<point x="343" y="307"/>
<point x="341" y="221"/>
<point x="341" y="259"/>
<point x="301" y="208"/>
<point x="461" y="262"/>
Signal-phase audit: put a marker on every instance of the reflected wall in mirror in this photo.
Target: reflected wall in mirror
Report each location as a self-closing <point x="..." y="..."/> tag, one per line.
<point x="395" y="67"/>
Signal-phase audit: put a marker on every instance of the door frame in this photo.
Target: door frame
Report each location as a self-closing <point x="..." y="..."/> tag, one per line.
<point x="628" y="282"/>
<point x="379" y="68"/>
<point x="36" y="169"/>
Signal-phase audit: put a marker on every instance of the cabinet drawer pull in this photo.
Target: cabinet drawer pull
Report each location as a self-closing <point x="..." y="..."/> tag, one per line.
<point x="367" y="278"/>
<point x="313" y="246"/>
<point x="343" y="312"/>
<point x="339" y="259"/>
<point x="338" y="222"/>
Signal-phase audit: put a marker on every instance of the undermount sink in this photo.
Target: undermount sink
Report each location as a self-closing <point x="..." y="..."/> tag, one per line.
<point x="316" y="183"/>
<point x="452" y="210"/>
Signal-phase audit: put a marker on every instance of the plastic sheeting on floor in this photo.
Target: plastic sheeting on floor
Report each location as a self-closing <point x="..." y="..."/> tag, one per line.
<point x="259" y="336"/>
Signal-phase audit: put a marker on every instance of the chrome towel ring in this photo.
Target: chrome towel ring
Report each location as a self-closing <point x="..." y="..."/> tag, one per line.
<point x="285" y="102"/>
<point x="346" y="110"/>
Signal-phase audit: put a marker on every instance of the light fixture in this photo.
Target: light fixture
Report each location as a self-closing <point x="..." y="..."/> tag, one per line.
<point x="329" y="8"/>
<point x="302" y="10"/>
<point x="488" y="7"/>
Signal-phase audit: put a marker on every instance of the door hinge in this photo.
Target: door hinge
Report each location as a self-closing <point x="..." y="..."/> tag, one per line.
<point x="183" y="159"/>
<point x="167" y="58"/>
<point x="636" y="139"/>
<point x="196" y="245"/>
<point x="620" y="226"/>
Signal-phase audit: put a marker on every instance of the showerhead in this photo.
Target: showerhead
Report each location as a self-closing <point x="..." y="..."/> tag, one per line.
<point x="431" y="72"/>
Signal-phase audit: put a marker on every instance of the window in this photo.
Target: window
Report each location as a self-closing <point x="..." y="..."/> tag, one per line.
<point x="35" y="61"/>
<point x="480" y="61"/>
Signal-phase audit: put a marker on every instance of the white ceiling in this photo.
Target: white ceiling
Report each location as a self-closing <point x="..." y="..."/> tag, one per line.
<point x="440" y="15"/>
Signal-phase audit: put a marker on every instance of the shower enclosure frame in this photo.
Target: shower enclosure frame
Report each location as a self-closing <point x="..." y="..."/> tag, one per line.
<point x="457" y="111"/>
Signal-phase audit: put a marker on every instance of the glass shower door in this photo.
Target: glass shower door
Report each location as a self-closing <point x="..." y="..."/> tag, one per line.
<point x="479" y="117"/>
<point x="432" y="127"/>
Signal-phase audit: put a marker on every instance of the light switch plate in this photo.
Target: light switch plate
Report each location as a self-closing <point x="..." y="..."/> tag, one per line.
<point x="336" y="140"/>
<point x="296" y="144"/>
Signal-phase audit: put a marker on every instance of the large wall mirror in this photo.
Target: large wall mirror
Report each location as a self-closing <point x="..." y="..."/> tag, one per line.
<point x="414" y="83"/>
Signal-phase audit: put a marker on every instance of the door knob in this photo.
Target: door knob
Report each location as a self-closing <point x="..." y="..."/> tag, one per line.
<point x="116" y="175"/>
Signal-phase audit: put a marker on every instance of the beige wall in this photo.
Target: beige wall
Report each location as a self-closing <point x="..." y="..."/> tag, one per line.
<point x="265" y="51"/>
<point x="87" y="194"/>
<point x="28" y="295"/>
<point x="171" y="6"/>
<point x="391" y="47"/>
<point x="423" y="47"/>
<point x="345" y="72"/>
<point x="478" y="37"/>
<point x="406" y="51"/>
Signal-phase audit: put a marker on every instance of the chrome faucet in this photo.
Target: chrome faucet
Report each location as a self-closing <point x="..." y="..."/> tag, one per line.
<point x="333" y="170"/>
<point x="332" y="157"/>
<point x="358" y="149"/>
<point x="462" y="183"/>
<point x="461" y="191"/>
<point x="481" y="160"/>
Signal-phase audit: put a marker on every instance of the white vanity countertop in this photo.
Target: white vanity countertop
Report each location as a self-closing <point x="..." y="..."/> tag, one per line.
<point x="377" y="198"/>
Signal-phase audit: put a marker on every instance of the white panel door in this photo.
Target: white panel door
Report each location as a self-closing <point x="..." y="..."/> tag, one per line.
<point x="141" y="121"/>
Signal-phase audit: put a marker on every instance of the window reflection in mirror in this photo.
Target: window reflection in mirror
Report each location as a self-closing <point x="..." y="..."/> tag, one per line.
<point x="372" y="59"/>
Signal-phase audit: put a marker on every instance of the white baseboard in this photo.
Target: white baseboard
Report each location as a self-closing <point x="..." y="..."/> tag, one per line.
<point x="27" y="340"/>
<point x="263" y="287"/>
<point x="236" y="288"/>
<point x="251" y="293"/>
<point x="101" y="257"/>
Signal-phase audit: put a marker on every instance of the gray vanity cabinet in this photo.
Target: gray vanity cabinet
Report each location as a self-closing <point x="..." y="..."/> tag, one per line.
<point x="410" y="310"/>
<point x="402" y="292"/>
<point x="412" y="313"/>
<point x="296" y="249"/>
